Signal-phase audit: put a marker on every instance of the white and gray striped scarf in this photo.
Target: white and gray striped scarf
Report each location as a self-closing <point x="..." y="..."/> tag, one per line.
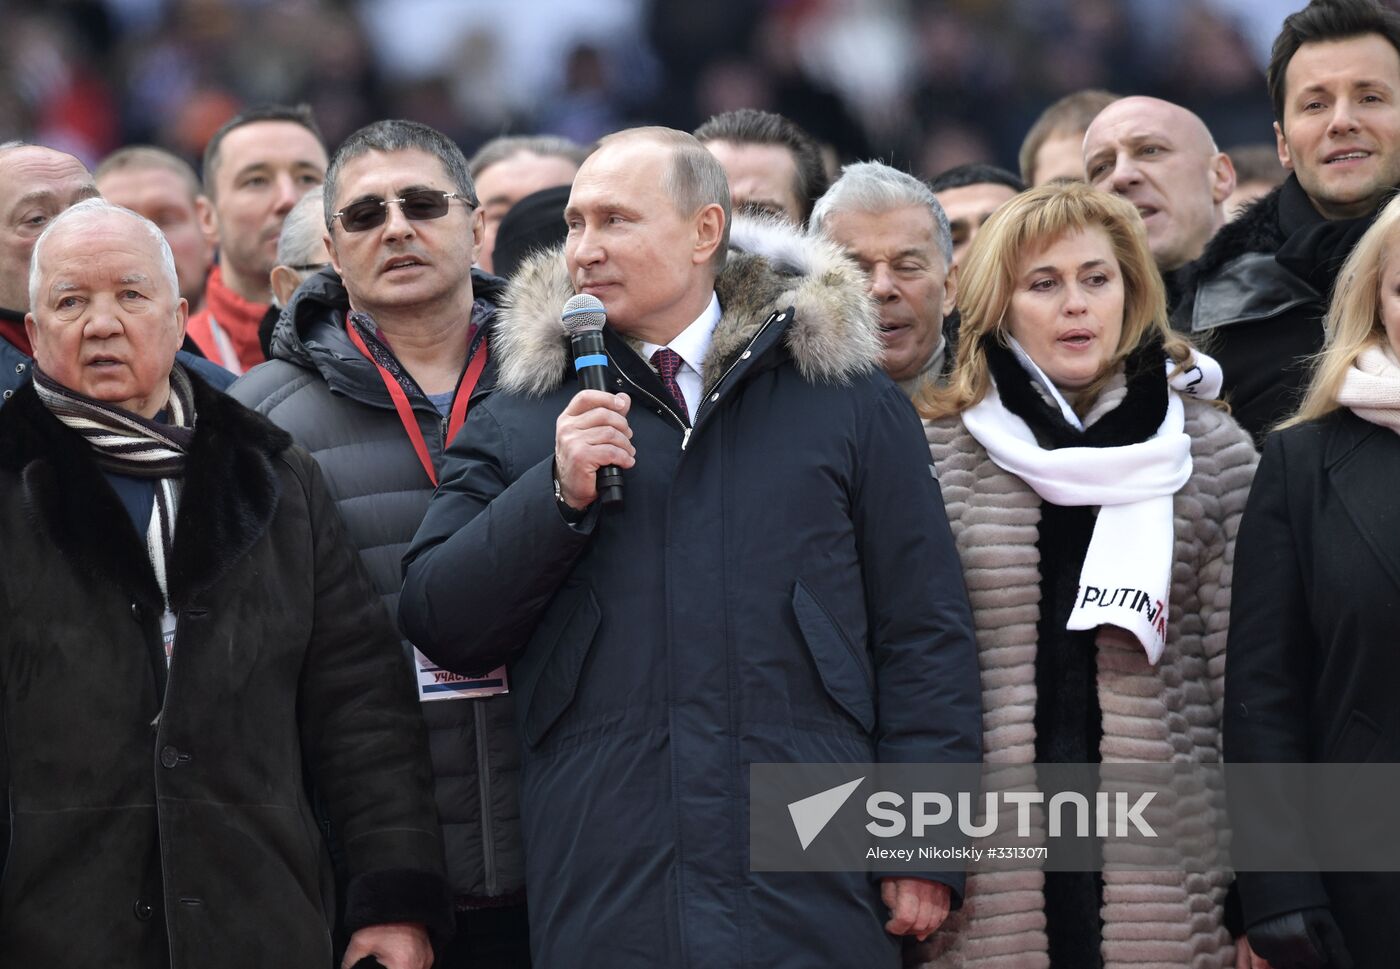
<point x="126" y="443"/>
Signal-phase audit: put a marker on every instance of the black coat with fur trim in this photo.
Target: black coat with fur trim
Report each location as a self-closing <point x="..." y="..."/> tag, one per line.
<point x="779" y="585"/>
<point x="161" y="819"/>
<point x="1256" y="297"/>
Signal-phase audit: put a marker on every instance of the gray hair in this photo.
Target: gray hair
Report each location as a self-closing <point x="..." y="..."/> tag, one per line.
<point x="399" y="135"/>
<point x="508" y="146"/>
<point x="90" y="210"/>
<point x="876" y="187"/>
<point x="300" y="241"/>
<point x="694" y="179"/>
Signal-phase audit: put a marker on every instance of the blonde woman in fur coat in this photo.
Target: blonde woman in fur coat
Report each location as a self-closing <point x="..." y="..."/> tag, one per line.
<point x="1074" y="454"/>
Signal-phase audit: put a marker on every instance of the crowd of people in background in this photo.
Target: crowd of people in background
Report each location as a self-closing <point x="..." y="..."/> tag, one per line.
<point x="326" y="644"/>
<point x="924" y="85"/>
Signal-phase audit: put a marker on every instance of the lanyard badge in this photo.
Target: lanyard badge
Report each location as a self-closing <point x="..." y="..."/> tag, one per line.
<point x="460" y="401"/>
<point x="435" y="683"/>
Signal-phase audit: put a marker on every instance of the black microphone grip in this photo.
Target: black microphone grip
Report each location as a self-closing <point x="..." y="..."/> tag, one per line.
<point x="591" y="364"/>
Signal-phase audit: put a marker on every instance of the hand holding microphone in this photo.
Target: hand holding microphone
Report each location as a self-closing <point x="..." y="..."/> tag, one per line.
<point x="592" y="440"/>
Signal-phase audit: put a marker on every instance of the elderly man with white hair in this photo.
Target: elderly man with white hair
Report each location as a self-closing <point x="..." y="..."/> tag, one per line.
<point x="301" y="253"/>
<point x="891" y="224"/>
<point x="301" y="248"/>
<point x="189" y="638"/>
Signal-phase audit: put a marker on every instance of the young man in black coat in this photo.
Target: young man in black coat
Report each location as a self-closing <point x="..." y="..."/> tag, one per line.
<point x="1256" y="297"/>
<point x="779" y="583"/>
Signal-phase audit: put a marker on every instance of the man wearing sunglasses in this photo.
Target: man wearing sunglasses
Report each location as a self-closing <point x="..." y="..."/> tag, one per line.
<point x="376" y="361"/>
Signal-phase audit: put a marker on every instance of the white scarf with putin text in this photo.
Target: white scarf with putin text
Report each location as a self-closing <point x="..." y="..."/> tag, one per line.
<point x="1126" y="578"/>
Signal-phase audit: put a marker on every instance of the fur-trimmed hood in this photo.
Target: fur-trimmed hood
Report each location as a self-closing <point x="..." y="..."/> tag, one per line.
<point x="832" y="335"/>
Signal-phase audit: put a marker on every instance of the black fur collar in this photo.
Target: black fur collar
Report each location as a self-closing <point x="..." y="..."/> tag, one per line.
<point x="1135" y="419"/>
<point x="230" y="494"/>
<point x="1257" y="229"/>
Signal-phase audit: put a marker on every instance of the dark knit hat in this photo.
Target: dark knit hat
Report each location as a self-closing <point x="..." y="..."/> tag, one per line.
<point x="533" y="224"/>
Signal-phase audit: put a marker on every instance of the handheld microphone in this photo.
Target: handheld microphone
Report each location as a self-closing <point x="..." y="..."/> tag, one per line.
<point x="583" y="318"/>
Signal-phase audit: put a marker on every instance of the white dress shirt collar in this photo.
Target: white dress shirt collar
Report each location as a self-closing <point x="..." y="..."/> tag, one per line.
<point x="692" y="345"/>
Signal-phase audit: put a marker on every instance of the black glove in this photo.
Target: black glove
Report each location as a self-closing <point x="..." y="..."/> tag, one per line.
<point x="1306" y="939"/>
<point x="914" y="953"/>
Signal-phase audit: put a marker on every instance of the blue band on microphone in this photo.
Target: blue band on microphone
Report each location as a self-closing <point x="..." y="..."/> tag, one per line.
<point x="592" y="360"/>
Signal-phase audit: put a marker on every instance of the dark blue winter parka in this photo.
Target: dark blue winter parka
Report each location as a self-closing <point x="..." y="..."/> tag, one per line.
<point x="780" y="585"/>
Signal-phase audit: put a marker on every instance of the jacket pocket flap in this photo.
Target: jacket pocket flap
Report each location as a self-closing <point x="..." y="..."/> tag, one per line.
<point x="1358" y="740"/>
<point x="553" y="690"/>
<point x="845" y="676"/>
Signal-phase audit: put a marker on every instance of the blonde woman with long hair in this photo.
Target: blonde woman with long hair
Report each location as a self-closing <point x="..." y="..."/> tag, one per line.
<point x="1079" y="452"/>
<point x="1313" y="650"/>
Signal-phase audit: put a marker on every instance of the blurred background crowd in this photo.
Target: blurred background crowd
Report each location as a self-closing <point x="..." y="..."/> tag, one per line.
<point x="923" y="84"/>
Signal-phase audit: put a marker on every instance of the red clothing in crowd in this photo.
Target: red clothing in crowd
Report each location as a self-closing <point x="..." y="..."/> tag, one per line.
<point x="12" y="331"/>
<point x="226" y="329"/>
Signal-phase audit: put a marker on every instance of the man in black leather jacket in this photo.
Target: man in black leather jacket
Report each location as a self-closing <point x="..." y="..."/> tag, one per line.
<point x="1257" y="296"/>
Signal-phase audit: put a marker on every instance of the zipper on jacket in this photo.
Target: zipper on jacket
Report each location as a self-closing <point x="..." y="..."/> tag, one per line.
<point x="483" y="771"/>
<point x="687" y="428"/>
<point x="445" y="420"/>
<point x="748" y="351"/>
<point x="680" y="421"/>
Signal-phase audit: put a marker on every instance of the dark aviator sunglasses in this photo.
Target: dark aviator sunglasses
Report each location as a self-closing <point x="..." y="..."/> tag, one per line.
<point x="417" y="205"/>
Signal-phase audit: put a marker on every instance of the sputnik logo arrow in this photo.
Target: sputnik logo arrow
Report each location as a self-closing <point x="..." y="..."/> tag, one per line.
<point x="811" y="814"/>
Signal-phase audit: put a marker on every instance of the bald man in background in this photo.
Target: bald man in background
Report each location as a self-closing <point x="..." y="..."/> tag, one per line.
<point x="1162" y="158"/>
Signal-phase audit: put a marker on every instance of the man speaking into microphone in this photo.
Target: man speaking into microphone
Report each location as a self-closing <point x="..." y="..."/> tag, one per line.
<point x="779" y="584"/>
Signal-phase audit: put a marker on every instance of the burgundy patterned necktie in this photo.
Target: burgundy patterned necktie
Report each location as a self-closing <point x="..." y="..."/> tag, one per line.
<point x="668" y="363"/>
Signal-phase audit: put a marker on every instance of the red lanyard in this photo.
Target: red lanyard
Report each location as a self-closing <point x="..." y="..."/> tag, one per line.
<point x="401" y="404"/>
